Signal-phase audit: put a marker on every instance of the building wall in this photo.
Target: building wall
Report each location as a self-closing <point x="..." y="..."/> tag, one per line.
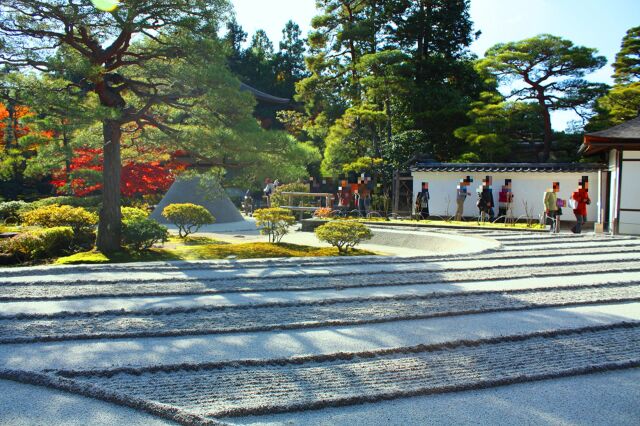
<point x="613" y="192"/>
<point x="630" y="193"/>
<point x="526" y="186"/>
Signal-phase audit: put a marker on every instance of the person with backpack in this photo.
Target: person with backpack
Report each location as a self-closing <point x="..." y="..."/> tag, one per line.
<point x="485" y="200"/>
<point x="579" y="202"/>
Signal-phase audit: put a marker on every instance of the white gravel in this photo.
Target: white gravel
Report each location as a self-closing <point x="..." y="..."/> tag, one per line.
<point x="235" y="299"/>
<point x="607" y="398"/>
<point x="175" y="350"/>
<point x="566" y="401"/>
<point x="27" y="405"/>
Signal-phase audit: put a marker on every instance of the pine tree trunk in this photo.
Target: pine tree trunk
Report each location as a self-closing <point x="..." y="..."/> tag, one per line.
<point x="548" y="132"/>
<point x="109" y="228"/>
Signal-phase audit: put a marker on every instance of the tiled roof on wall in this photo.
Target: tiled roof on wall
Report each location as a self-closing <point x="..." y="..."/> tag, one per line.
<point x="507" y="167"/>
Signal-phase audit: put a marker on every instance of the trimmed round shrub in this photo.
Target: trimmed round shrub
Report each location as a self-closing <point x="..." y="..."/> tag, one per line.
<point x="11" y="210"/>
<point x="133" y="213"/>
<point x="187" y="217"/>
<point x="343" y="234"/>
<point x="142" y="233"/>
<point x="274" y="222"/>
<point x="39" y="244"/>
<point x="79" y="219"/>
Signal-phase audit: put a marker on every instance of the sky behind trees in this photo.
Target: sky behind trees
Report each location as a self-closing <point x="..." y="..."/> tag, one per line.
<point x="600" y="24"/>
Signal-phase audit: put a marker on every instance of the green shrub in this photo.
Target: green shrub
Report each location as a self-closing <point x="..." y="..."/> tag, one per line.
<point x="133" y="213"/>
<point x="274" y="222"/>
<point x="91" y="203"/>
<point x="277" y="199"/>
<point x="11" y="210"/>
<point x="343" y="234"/>
<point x="80" y="220"/>
<point x="187" y="217"/>
<point x="142" y="233"/>
<point x="39" y="244"/>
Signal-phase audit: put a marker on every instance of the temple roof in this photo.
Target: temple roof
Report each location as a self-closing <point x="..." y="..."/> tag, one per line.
<point x="263" y="97"/>
<point x="622" y="136"/>
<point x="507" y="167"/>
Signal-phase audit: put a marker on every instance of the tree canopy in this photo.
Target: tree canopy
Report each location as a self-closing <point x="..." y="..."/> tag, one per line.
<point x="622" y="102"/>
<point x="548" y="70"/>
<point x="158" y="71"/>
<point x="627" y="64"/>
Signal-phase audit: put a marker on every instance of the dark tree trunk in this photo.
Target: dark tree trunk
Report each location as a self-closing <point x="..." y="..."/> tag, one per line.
<point x="109" y="228"/>
<point x="387" y="106"/>
<point x="10" y="127"/>
<point x="67" y="160"/>
<point x="548" y="131"/>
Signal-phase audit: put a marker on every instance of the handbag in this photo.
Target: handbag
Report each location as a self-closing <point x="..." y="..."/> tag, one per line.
<point x="573" y="204"/>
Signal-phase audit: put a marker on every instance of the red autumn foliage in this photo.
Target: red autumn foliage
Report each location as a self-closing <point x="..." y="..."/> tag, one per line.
<point x="19" y="129"/>
<point x="136" y="178"/>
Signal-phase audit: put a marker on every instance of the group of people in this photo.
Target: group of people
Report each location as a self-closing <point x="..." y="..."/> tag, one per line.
<point x="578" y="203"/>
<point x="485" y="202"/>
<point x="356" y="194"/>
<point x="248" y="204"/>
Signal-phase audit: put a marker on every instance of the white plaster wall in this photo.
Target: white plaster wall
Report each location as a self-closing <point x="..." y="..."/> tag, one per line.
<point x="630" y="194"/>
<point x="613" y="193"/>
<point x="529" y="186"/>
<point x="631" y="155"/>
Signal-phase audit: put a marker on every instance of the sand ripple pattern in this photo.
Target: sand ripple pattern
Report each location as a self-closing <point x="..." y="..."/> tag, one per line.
<point x="425" y="274"/>
<point x="280" y="316"/>
<point x="281" y="385"/>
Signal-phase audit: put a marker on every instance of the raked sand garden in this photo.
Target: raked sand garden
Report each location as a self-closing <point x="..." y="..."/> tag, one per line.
<point x="537" y="329"/>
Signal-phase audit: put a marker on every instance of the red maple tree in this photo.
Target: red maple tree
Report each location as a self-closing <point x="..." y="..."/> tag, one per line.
<point x="137" y="178"/>
<point x="19" y="129"/>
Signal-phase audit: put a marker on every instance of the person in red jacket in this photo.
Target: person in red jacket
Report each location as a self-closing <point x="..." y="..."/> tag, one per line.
<point x="580" y="201"/>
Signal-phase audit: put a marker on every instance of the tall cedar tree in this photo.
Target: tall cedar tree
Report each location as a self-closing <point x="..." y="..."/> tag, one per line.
<point x="137" y="33"/>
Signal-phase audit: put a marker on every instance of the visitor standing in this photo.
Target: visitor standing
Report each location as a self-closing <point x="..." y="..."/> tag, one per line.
<point x="485" y="199"/>
<point x="424" y="201"/>
<point x="418" y="206"/>
<point x="268" y="191"/>
<point x="579" y="201"/>
<point x="505" y="201"/>
<point x="462" y="192"/>
<point x="248" y="203"/>
<point x="551" y="206"/>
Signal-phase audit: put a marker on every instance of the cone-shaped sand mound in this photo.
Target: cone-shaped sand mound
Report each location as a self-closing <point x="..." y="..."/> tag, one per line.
<point x="190" y="190"/>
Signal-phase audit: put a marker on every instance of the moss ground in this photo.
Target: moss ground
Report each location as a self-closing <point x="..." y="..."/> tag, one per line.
<point x="193" y="250"/>
<point x="455" y="224"/>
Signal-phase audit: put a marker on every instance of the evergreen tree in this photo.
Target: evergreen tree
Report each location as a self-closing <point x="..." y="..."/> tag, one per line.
<point x="158" y="67"/>
<point x="551" y="69"/>
<point x="289" y="61"/>
<point x="622" y="102"/>
<point x="627" y="64"/>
